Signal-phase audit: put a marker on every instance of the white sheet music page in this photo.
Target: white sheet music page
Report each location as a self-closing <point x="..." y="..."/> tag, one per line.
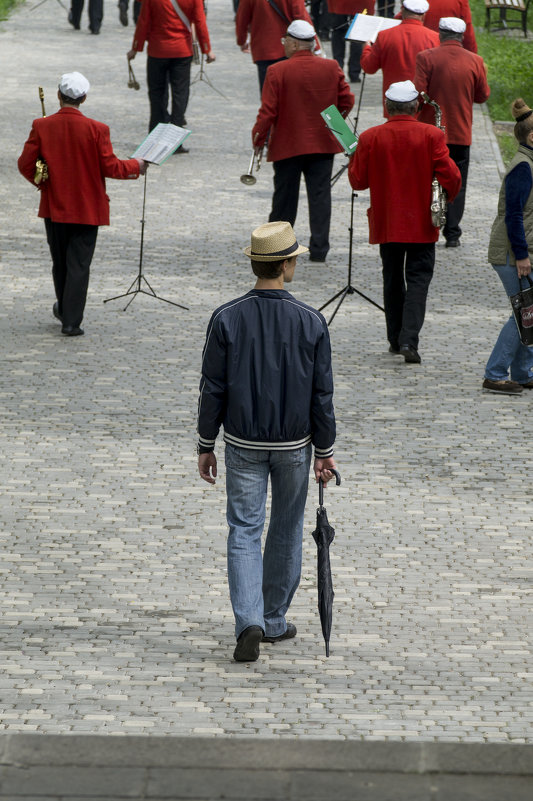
<point x="161" y="143"/>
<point x="365" y="27"/>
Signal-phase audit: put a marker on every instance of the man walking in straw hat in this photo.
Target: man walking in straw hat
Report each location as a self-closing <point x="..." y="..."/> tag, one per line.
<point x="267" y="378"/>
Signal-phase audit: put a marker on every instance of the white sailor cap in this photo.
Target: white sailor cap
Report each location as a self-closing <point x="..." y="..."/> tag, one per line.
<point x="452" y="24"/>
<point x="300" y="29"/>
<point x="74" y="85"/>
<point x="416" y="6"/>
<point x="402" y="92"/>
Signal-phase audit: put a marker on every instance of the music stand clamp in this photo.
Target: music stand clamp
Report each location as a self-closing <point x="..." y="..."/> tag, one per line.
<point x="348" y="289"/>
<point x="140" y="280"/>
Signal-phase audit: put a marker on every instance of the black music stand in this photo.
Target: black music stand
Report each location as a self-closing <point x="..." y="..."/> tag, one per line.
<point x="140" y="277"/>
<point x="355" y="122"/>
<point x="348" y="289"/>
<point x="202" y="76"/>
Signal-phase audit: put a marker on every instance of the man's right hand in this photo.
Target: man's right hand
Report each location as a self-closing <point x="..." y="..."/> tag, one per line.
<point x="207" y="467"/>
<point x="131" y="54"/>
<point x="143" y="166"/>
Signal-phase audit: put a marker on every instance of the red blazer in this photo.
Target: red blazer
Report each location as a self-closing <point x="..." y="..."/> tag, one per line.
<point x="350" y="7"/>
<point x="295" y="92"/>
<point x="452" y="8"/>
<point x="167" y="36"/>
<point x="397" y="161"/>
<point x="395" y="52"/>
<point x="266" y="27"/>
<point x="80" y="157"/>
<point x="456" y="79"/>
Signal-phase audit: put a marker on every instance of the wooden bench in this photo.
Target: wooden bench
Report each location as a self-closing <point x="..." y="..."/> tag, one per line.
<point x="504" y="6"/>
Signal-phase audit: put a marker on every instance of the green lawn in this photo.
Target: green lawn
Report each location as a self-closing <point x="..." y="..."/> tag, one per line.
<point x="6" y="6"/>
<point x="508" y="58"/>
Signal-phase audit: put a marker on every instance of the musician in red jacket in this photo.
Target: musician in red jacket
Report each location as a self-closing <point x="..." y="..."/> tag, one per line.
<point x="452" y="8"/>
<point x="294" y="94"/>
<point x="397" y="161"/>
<point x="341" y="14"/>
<point x="456" y="79"/>
<point x="395" y="49"/>
<point x="79" y="157"/>
<point x="260" y="26"/>
<point x="170" y="52"/>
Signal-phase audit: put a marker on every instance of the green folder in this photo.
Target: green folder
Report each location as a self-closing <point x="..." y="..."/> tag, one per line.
<point x="340" y="129"/>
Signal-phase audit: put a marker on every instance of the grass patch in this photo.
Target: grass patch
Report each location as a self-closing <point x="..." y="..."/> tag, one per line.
<point x="6" y="6"/>
<point x="508" y="57"/>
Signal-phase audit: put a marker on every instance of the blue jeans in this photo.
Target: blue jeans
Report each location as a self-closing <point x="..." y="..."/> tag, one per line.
<point x="262" y="587"/>
<point x="508" y="351"/>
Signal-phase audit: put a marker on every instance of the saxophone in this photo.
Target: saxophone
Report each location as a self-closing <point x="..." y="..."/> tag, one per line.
<point x="439" y="199"/>
<point x="41" y="167"/>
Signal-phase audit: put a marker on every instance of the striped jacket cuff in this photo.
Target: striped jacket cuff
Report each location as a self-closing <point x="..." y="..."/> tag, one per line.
<point x="324" y="453"/>
<point x="205" y="445"/>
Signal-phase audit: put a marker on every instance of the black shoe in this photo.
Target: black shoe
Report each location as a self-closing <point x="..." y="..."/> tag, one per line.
<point x="181" y="150"/>
<point x="71" y="20"/>
<point x="355" y="79"/>
<point x="410" y="354"/>
<point x="123" y="14"/>
<point x="247" y="649"/>
<point x="394" y="348"/>
<point x="287" y="635"/>
<point x="317" y="257"/>
<point x="452" y="243"/>
<point x="96" y="31"/>
<point x="72" y="331"/>
<point x="55" y="311"/>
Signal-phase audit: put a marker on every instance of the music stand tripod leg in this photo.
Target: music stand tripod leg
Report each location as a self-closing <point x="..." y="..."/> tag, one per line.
<point x="140" y="277"/>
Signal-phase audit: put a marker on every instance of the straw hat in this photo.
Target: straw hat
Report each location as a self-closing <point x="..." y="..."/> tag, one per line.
<point x="274" y="241"/>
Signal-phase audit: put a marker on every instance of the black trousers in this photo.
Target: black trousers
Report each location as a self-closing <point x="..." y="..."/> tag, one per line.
<point x="96" y="13"/>
<point x="339" y="23"/>
<point x="316" y="168"/>
<point x="160" y="74"/>
<point x="407" y="273"/>
<point x="72" y="247"/>
<point x="262" y="67"/>
<point x="136" y="7"/>
<point x="454" y="214"/>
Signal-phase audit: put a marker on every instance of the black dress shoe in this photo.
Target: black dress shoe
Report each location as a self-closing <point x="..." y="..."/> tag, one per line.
<point x="410" y="354"/>
<point x="71" y="20"/>
<point x="452" y="243"/>
<point x="287" y="635"/>
<point x="72" y="331"/>
<point x="394" y="348"/>
<point x="181" y="149"/>
<point x="247" y="649"/>
<point x="55" y="311"/>
<point x="317" y="257"/>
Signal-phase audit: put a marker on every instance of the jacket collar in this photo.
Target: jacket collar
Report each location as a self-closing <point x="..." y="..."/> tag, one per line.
<point x="411" y="21"/>
<point x="402" y="118"/>
<point x="451" y="43"/>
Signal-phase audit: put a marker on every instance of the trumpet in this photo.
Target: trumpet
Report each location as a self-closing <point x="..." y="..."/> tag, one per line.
<point x="133" y="83"/>
<point x="249" y="178"/>
<point x="41" y="167"/>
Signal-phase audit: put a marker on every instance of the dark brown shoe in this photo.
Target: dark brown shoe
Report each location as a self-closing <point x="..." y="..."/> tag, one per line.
<point x="287" y="635"/>
<point x="247" y="649"/>
<point x="502" y="387"/>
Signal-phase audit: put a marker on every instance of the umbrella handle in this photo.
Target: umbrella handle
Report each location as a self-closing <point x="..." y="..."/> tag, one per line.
<point x="321" y="485"/>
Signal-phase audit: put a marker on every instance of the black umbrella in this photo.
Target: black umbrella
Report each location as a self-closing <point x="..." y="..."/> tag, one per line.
<point x="323" y="536"/>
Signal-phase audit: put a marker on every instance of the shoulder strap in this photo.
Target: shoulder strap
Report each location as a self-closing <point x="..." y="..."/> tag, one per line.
<point x="276" y="8"/>
<point x="181" y="15"/>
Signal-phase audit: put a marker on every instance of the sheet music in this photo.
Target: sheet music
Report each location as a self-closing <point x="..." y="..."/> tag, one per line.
<point x="161" y="143"/>
<point x="365" y="27"/>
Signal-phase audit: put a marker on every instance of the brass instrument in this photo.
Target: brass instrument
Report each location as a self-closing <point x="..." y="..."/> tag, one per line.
<point x="439" y="199"/>
<point x="132" y="80"/>
<point x="41" y="167"/>
<point x="249" y="178"/>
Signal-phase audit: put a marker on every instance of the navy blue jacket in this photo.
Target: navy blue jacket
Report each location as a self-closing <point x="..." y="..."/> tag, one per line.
<point x="266" y="376"/>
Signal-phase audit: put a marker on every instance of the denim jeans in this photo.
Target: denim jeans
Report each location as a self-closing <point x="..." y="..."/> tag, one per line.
<point x="508" y="351"/>
<point x="262" y="587"/>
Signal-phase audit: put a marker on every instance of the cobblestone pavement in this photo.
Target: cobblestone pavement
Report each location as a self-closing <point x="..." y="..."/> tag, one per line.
<point x="115" y="615"/>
